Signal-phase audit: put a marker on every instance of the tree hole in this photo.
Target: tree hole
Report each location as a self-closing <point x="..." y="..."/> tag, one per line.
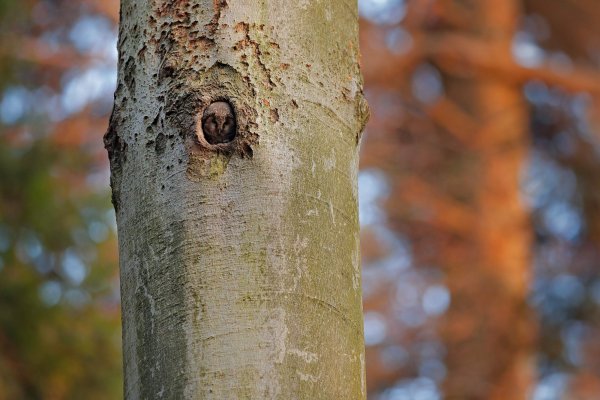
<point x="219" y="123"/>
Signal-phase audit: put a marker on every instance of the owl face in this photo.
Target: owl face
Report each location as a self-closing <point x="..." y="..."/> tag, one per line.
<point x="218" y="123"/>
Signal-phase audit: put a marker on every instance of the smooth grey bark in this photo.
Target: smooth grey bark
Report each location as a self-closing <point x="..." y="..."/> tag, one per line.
<point x="240" y="267"/>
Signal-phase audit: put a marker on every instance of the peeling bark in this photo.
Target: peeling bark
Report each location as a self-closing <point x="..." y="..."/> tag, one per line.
<point x="240" y="273"/>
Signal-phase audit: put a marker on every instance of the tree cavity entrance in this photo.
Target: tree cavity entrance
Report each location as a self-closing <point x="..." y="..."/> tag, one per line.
<point x="218" y="123"/>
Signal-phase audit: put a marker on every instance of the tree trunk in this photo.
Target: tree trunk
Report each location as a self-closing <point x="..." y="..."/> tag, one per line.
<point x="454" y="156"/>
<point x="489" y="330"/>
<point x="240" y="274"/>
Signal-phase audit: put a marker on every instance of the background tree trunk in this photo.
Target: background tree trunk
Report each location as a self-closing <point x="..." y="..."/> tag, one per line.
<point x="488" y="322"/>
<point x="240" y="273"/>
<point x="454" y="156"/>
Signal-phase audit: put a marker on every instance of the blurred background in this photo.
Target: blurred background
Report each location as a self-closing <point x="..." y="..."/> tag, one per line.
<point x="479" y="200"/>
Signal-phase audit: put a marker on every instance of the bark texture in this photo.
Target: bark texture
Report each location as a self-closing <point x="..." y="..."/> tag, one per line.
<point x="240" y="273"/>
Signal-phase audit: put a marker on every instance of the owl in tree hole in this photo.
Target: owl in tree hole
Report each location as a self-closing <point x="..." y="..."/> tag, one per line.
<point x="218" y="123"/>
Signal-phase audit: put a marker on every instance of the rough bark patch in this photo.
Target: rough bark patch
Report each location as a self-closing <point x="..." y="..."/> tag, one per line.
<point x="117" y="155"/>
<point x="186" y="105"/>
